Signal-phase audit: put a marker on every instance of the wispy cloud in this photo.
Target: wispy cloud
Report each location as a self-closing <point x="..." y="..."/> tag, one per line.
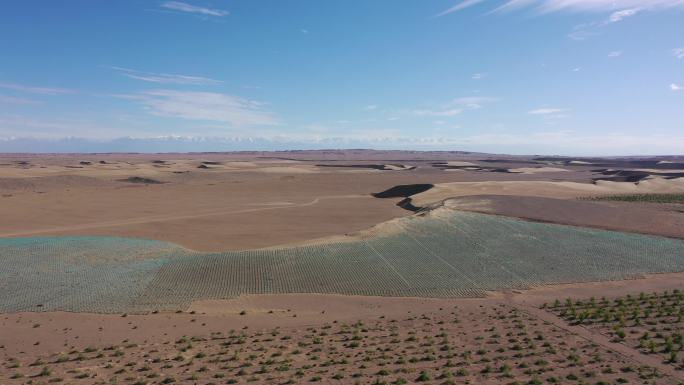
<point x="14" y="100"/>
<point x="618" y="16"/>
<point x="189" y="8"/>
<point x="574" y="143"/>
<point x="164" y="78"/>
<point x="442" y="112"/>
<point x="474" y="102"/>
<point x="547" y="111"/>
<point x="462" y="5"/>
<point x="370" y="107"/>
<point x="615" y="54"/>
<point x="584" y="31"/>
<point x="35" y="90"/>
<point x="478" y="76"/>
<point x="455" y="106"/>
<point x="676" y="87"/>
<point x="617" y="10"/>
<point x="207" y="106"/>
<point x="587" y="30"/>
<point x="678" y="53"/>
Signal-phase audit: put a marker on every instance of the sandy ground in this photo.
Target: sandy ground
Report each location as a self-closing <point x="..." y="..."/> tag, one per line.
<point x="213" y="202"/>
<point x="641" y="218"/>
<point x="236" y="201"/>
<point x="548" y="189"/>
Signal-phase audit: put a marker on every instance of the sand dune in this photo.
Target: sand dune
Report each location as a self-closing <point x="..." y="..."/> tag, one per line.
<point x="626" y="217"/>
<point x="213" y="209"/>
<point x="566" y="190"/>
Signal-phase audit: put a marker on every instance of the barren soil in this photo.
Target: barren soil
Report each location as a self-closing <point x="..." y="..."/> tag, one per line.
<point x="619" y="216"/>
<point x="214" y="202"/>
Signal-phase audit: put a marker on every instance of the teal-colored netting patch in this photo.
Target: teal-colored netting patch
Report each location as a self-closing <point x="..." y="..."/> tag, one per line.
<point x="91" y="274"/>
<point x="457" y="254"/>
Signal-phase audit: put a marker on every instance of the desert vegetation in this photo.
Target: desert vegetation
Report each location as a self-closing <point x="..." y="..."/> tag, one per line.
<point x="495" y="344"/>
<point x="647" y="198"/>
<point x="652" y="323"/>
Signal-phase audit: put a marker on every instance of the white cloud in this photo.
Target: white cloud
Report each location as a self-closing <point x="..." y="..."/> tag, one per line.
<point x="678" y="53"/>
<point x="547" y="111"/>
<point x="462" y="5"/>
<point x="479" y="76"/>
<point x="676" y="87"/>
<point x="587" y="30"/>
<point x="162" y="78"/>
<point x="455" y="106"/>
<point x="615" y="54"/>
<point x="577" y="69"/>
<point x="572" y="143"/>
<point x="444" y="112"/>
<point x="618" y="16"/>
<point x="189" y="8"/>
<point x="35" y="90"/>
<point x="209" y="106"/>
<point x="617" y="10"/>
<point x="473" y="102"/>
<point x="584" y="31"/>
<point x="370" y="107"/>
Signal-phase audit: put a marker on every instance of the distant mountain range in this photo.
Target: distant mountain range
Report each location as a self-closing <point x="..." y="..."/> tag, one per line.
<point x="189" y="144"/>
<point x="185" y="144"/>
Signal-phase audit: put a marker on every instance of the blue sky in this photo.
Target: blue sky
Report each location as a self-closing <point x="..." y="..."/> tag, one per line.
<point x="584" y="77"/>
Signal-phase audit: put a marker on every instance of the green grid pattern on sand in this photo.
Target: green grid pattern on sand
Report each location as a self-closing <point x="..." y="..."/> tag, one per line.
<point x="455" y="254"/>
<point x="90" y="274"/>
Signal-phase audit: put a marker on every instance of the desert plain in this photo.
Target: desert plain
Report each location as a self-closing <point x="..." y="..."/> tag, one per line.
<point x="341" y="267"/>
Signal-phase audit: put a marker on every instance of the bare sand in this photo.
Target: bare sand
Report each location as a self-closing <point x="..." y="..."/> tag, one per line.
<point x="255" y="200"/>
<point x="239" y="201"/>
<point x="631" y="217"/>
<point x="548" y="189"/>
